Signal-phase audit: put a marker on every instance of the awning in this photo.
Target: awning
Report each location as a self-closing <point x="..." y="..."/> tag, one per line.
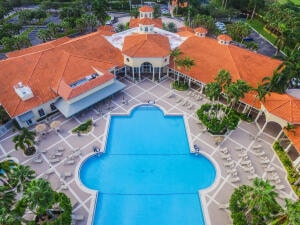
<point x="26" y="116"/>
<point x="70" y="109"/>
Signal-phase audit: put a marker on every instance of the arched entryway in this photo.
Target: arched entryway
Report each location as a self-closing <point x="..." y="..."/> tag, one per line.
<point x="146" y="67"/>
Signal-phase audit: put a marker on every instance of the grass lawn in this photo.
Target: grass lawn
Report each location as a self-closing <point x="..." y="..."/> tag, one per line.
<point x="297" y="2"/>
<point x="257" y="25"/>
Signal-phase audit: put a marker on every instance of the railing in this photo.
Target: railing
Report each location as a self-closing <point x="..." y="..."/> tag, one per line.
<point x="5" y="127"/>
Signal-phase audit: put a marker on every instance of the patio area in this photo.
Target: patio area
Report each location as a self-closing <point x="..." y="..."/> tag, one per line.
<point x="61" y="152"/>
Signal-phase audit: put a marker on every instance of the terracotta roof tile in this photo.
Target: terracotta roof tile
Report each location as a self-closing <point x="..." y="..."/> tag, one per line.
<point x="106" y="30"/>
<point x="146" y="21"/>
<point x="185" y="28"/>
<point x="284" y="106"/>
<point x="134" y="22"/>
<point x="186" y="33"/>
<point x="146" y="8"/>
<point x="252" y="100"/>
<point x="210" y="57"/>
<point x="294" y="136"/>
<point x="201" y="30"/>
<point x="146" y="45"/>
<point x="44" y="70"/>
<point x="224" y="37"/>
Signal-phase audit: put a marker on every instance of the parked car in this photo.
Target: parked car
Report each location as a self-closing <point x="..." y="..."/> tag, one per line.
<point x="248" y="39"/>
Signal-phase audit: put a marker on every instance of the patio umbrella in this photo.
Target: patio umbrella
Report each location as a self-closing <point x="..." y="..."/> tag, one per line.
<point x="218" y="139"/>
<point x="55" y="124"/>
<point x="40" y="127"/>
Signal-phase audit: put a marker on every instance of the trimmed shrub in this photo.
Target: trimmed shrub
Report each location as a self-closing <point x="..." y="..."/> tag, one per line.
<point x="84" y="127"/>
<point x="180" y="86"/>
<point x="293" y="175"/>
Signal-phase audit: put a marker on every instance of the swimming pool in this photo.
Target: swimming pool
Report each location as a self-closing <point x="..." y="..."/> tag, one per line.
<point x="147" y="175"/>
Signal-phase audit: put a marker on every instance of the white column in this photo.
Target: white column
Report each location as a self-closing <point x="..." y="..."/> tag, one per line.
<point x="140" y="73"/>
<point x="287" y="149"/>
<point x="159" y="74"/>
<point x="258" y="115"/>
<point x="168" y="71"/>
<point x="153" y="73"/>
<point x="201" y="90"/>
<point x="190" y="82"/>
<point x="280" y="133"/>
<point x="125" y="70"/>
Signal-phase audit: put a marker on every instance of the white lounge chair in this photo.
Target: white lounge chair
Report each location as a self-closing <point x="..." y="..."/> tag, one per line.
<point x="261" y="153"/>
<point x="238" y="148"/>
<point x="70" y="162"/>
<point x="242" y="154"/>
<point x="248" y="169"/>
<point x="270" y="169"/>
<point x="54" y="160"/>
<point x="229" y="164"/>
<point x="37" y="160"/>
<point x="252" y="176"/>
<point x="231" y="170"/>
<point x="60" y="149"/>
<point x="246" y="162"/>
<point x="257" y="146"/>
<point x="280" y="187"/>
<point x="66" y="175"/>
<point x="234" y="179"/>
<point x="223" y="206"/>
<point x="78" y="217"/>
<point x="191" y="107"/>
<point x="266" y="161"/>
<point x="224" y="150"/>
<point x="58" y="153"/>
<point x="178" y="100"/>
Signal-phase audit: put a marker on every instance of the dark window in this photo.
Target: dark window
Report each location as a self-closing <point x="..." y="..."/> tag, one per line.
<point x="52" y="107"/>
<point x="41" y="112"/>
<point x="29" y="122"/>
<point x="127" y="59"/>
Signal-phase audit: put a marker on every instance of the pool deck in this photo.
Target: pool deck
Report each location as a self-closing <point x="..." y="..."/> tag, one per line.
<point x="245" y="136"/>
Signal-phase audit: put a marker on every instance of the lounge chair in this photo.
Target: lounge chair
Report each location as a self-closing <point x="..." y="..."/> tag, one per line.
<point x="178" y="100"/>
<point x="189" y="93"/>
<point x="54" y="160"/>
<point x="224" y="150"/>
<point x="199" y="98"/>
<point x="37" y="160"/>
<point x="191" y="107"/>
<point x="77" y="217"/>
<point x="69" y="162"/>
<point x="257" y="146"/>
<point x="238" y="148"/>
<point x="44" y="151"/>
<point x="262" y="153"/>
<point x="223" y="206"/>
<point x="66" y="175"/>
<point x="227" y="157"/>
<point x="279" y="187"/>
<point x="234" y="179"/>
<point x="60" y="149"/>
<point x="248" y="169"/>
<point x="266" y="161"/>
<point x="252" y="176"/>
<point x="231" y="170"/>
<point x="270" y="169"/>
<point x="241" y="155"/>
<point x="48" y="173"/>
<point x="246" y="162"/>
<point x="229" y="164"/>
<point x="58" y="153"/>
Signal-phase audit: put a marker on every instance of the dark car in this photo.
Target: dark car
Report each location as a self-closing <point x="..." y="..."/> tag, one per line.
<point x="248" y="39"/>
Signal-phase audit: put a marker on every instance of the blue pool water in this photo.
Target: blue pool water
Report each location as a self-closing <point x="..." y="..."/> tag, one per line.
<point x="147" y="175"/>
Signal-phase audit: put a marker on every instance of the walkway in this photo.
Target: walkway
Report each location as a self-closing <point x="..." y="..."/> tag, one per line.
<point x="77" y="147"/>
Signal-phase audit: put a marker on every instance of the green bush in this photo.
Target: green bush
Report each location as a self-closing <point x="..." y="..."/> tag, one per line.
<point x="180" y="86"/>
<point x="207" y="115"/>
<point x="293" y="175"/>
<point x="84" y="127"/>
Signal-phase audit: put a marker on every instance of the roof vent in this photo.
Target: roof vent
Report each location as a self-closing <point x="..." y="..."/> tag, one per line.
<point x="24" y="92"/>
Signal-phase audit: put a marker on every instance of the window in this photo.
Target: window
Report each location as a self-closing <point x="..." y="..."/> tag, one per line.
<point x="127" y="59"/>
<point x="41" y="112"/>
<point x="146" y="29"/>
<point x="52" y="107"/>
<point x="29" y="122"/>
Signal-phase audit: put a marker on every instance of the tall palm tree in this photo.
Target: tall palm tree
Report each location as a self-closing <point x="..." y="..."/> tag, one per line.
<point x="288" y="216"/>
<point x="6" y="169"/>
<point x="7" y="197"/>
<point x="39" y="196"/>
<point x="277" y="83"/>
<point x="25" y="140"/>
<point x="187" y="63"/>
<point x="223" y="78"/>
<point x="175" y="53"/>
<point x="21" y="176"/>
<point x="261" y="200"/>
<point x="213" y="91"/>
<point x="261" y="92"/>
<point x="236" y="91"/>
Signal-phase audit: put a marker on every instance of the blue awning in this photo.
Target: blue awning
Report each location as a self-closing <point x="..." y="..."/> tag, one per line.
<point x="26" y="116"/>
<point x="70" y="109"/>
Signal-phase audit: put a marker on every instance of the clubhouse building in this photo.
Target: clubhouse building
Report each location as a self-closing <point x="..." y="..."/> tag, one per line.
<point x="72" y="74"/>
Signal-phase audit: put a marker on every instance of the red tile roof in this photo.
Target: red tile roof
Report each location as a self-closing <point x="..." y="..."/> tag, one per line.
<point x="134" y="22"/>
<point x="224" y="37"/>
<point x="210" y="57"/>
<point x="43" y="71"/>
<point x="185" y="28"/>
<point x="146" y="45"/>
<point x="201" y="30"/>
<point x="284" y="106"/>
<point x="146" y="8"/>
<point x="294" y="136"/>
<point x="146" y="21"/>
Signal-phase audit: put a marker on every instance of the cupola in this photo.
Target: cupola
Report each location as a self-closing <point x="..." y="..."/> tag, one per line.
<point x="24" y="92"/>
<point x="200" y="32"/>
<point x="224" y="39"/>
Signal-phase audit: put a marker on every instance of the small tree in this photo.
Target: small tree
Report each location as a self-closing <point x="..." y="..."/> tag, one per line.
<point x="25" y="141"/>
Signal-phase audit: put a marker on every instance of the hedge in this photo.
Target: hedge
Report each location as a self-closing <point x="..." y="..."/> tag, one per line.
<point x="180" y="86"/>
<point x="84" y="127"/>
<point x="293" y="175"/>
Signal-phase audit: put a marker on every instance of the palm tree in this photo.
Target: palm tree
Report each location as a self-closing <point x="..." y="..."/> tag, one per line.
<point x="290" y="215"/>
<point x="175" y="54"/>
<point x="21" y="176"/>
<point x="44" y="35"/>
<point x="213" y="91"/>
<point x="39" y="196"/>
<point x="261" y="92"/>
<point x="261" y="200"/>
<point x="236" y="91"/>
<point x="7" y="196"/>
<point x="25" y="141"/>
<point x="6" y="218"/>
<point x="277" y="83"/>
<point x="6" y="169"/>
<point x="223" y="78"/>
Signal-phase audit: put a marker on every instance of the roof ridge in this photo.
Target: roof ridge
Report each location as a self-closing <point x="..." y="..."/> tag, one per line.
<point x="234" y="62"/>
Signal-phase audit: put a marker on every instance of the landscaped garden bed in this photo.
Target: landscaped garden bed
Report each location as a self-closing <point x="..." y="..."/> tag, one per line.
<point x="293" y="175"/>
<point x="180" y="85"/>
<point x="84" y="127"/>
<point x="218" y="118"/>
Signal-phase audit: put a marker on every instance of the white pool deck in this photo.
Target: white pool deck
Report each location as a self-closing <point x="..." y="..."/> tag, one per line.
<point x="65" y="176"/>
